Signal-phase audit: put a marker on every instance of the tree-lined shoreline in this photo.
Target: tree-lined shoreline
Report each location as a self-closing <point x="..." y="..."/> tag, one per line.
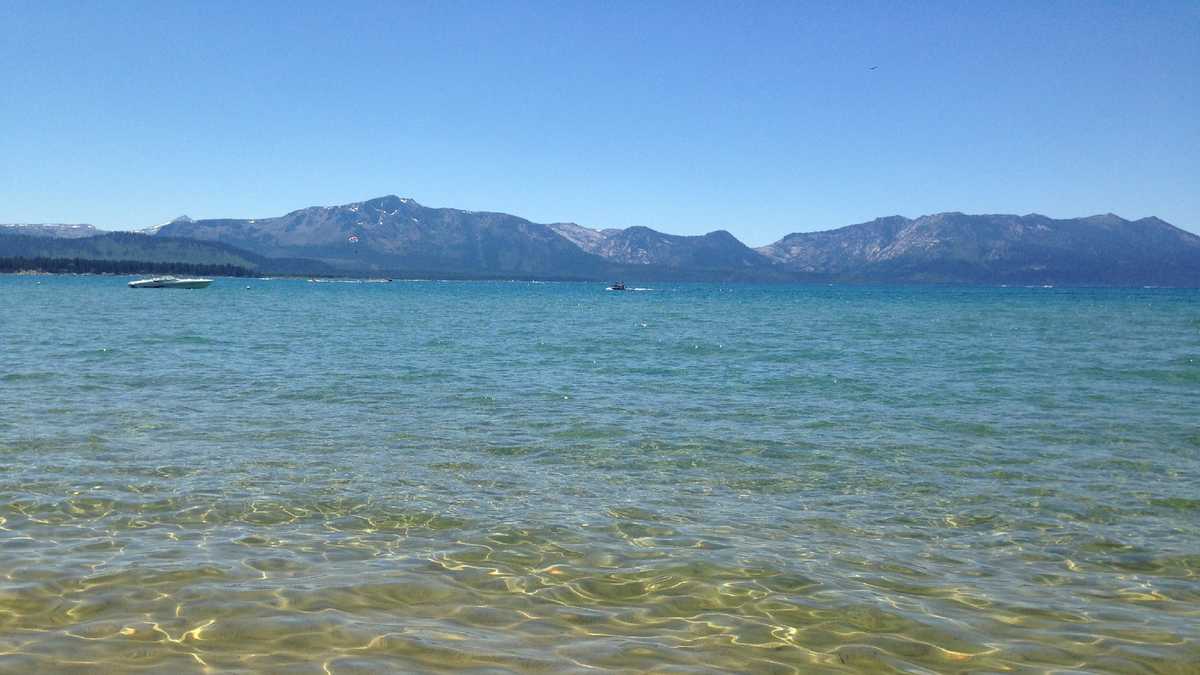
<point x="22" y="265"/>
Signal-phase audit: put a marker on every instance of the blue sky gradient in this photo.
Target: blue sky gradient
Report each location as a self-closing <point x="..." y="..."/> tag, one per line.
<point x="761" y="118"/>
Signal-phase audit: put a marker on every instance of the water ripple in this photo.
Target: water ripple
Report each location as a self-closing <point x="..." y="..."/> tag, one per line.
<point x="542" y="478"/>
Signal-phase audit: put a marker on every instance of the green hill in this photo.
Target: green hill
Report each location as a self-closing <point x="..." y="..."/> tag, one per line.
<point x="133" y="253"/>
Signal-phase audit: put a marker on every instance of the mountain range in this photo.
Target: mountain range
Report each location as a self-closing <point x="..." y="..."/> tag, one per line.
<point x="56" y="230"/>
<point x="397" y="236"/>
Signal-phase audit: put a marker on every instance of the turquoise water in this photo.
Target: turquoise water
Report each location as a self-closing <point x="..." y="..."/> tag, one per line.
<point x="277" y="476"/>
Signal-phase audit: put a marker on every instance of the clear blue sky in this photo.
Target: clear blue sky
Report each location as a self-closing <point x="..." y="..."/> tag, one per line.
<point x="761" y="118"/>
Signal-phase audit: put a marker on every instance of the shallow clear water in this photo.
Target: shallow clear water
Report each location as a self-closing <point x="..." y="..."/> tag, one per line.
<point x="517" y="477"/>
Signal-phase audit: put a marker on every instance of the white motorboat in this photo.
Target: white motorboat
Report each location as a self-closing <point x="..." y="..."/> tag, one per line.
<point x="170" y="282"/>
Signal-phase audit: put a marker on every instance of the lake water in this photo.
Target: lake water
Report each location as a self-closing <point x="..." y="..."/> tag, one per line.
<point x="279" y="476"/>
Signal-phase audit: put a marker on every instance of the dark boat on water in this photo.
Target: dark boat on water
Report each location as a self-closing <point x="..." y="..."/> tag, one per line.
<point x="617" y="286"/>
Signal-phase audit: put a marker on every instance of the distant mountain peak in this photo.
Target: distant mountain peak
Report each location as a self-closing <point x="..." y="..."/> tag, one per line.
<point x="722" y="235"/>
<point x="1106" y="219"/>
<point x="388" y="203"/>
<point x="154" y="229"/>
